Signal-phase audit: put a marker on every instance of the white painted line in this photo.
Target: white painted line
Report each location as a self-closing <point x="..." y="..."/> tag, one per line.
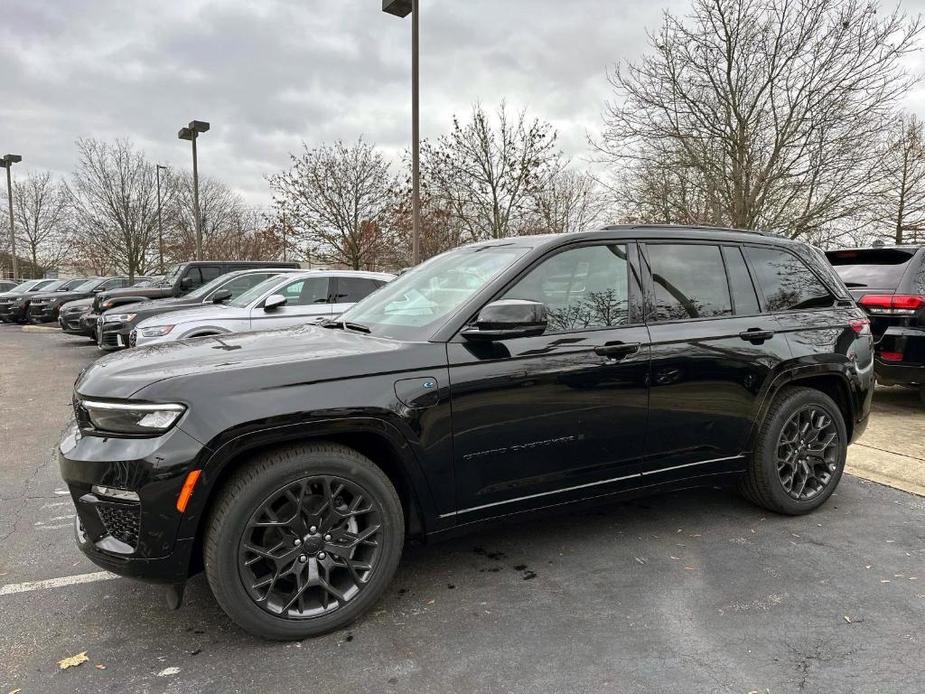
<point x="54" y="527"/>
<point x="57" y="503"/>
<point x="28" y="586"/>
<point x="61" y="492"/>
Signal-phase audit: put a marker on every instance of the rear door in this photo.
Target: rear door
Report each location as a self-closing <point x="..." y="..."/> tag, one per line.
<point x="712" y="349"/>
<point x="307" y="301"/>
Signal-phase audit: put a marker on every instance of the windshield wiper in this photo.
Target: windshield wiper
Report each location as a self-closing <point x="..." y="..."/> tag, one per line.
<point x="345" y="325"/>
<point x="855" y="284"/>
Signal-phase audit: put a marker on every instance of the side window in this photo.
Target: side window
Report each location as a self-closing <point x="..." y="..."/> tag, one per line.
<point x="241" y="284"/>
<point x="115" y="283"/>
<point x="352" y="289"/>
<point x="787" y="283"/>
<point x="304" y="292"/>
<point x="210" y="272"/>
<point x="689" y="281"/>
<point x="583" y="288"/>
<point x="194" y="277"/>
<point x="740" y="282"/>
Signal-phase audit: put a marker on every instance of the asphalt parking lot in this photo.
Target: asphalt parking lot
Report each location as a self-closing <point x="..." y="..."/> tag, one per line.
<point x="693" y="592"/>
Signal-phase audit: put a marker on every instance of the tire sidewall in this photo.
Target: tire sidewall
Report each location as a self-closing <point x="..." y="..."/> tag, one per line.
<point x="223" y="574"/>
<point x="768" y="450"/>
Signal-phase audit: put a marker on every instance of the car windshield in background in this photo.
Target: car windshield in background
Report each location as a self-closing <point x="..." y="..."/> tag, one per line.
<point x="412" y="306"/>
<point x="879" y="268"/>
<point x="24" y="287"/>
<point x="70" y="285"/>
<point x="171" y="275"/>
<point x="54" y="286"/>
<point x="207" y="288"/>
<point x="88" y="285"/>
<point x="254" y="293"/>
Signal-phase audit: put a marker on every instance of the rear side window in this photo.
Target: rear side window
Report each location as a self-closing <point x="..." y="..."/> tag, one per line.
<point x="304" y="292"/>
<point x="689" y="281"/>
<point x="878" y="268"/>
<point x="352" y="289"/>
<point x="787" y="283"/>
<point x="744" y="298"/>
<point x="210" y="272"/>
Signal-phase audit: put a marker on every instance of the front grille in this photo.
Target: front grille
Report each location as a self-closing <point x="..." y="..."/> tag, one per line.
<point x="120" y="520"/>
<point x="109" y="339"/>
<point x="132" y="338"/>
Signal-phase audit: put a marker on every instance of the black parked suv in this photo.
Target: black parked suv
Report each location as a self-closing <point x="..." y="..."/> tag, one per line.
<point x="114" y="326"/>
<point x="495" y="379"/>
<point x="14" y="304"/>
<point x="180" y="280"/>
<point x="889" y="284"/>
<point x="45" y="305"/>
<point x="88" y="289"/>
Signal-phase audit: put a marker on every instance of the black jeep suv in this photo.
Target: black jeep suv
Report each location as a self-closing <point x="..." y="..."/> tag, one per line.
<point x="889" y="284"/>
<point x="495" y="379"/>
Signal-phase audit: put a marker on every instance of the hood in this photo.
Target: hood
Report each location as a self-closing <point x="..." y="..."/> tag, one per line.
<point x="207" y="368"/>
<point x="10" y="296"/>
<point x="78" y="302"/>
<point x="204" y="312"/>
<point x="59" y="296"/>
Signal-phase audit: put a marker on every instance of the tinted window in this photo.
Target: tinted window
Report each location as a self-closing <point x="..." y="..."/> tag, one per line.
<point x="241" y="284"/>
<point x="689" y="281"/>
<point x="744" y="298"/>
<point x="881" y="268"/>
<point x="114" y="283"/>
<point x="584" y="288"/>
<point x="352" y="289"/>
<point x="304" y="292"/>
<point x="194" y="276"/>
<point x="210" y="272"/>
<point x="787" y="283"/>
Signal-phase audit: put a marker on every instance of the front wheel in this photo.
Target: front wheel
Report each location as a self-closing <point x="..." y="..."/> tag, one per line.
<point x="799" y="453"/>
<point x="303" y="541"/>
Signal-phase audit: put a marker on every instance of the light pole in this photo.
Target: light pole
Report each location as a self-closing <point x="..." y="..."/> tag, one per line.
<point x="6" y="162"/>
<point x="402" y="8"/>
<point x="191" y="133"/>
<point x="160" y="231"/>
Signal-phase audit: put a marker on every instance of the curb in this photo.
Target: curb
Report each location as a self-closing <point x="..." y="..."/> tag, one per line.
<point x="40" y="329"/>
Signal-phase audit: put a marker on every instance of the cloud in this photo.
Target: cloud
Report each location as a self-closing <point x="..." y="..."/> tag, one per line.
<point x="269" y="75"/>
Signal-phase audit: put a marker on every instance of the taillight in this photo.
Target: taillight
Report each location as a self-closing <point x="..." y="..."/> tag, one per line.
<point x="892" y="304"/>
<point x="861" y="326"/>
<point x="891" y="356"/>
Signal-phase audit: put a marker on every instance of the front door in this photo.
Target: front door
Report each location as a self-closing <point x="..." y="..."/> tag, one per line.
<point x="307" y="301"/>
<point x="547" y="419"/>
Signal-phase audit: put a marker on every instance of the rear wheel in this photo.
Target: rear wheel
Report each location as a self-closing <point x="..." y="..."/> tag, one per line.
<point x="303" y="541"/>
<point x="799" y="453"/>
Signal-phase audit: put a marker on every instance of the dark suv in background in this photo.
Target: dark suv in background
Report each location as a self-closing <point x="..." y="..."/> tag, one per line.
<point x="889" y="284"/>
<point x="14" y="304"/>
<point x="180" y="280"/>
<point x="509" y="376"/>
<point x="77" y="302"/>
<point x="114" y="326"/>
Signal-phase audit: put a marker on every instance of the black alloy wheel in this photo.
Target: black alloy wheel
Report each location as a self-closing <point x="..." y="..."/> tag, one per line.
<point x="807" y="449"/>
<point x="302" y="540"/>
<point x="310" y="548"/>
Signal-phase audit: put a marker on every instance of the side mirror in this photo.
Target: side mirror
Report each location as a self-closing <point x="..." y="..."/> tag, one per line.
<point x="508" y="318"/>
<point x="186" y="283"/>
<point x="221" y="295"/>
<point x="274" y="301"/>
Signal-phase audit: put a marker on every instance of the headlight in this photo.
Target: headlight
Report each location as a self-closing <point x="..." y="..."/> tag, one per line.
<point x="156" y="330"/>
<point x="119" y="317"/>
<point x="129" y="418"/>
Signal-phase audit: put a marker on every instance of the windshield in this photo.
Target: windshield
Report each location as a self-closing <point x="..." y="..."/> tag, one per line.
<point x="25" y="286"/>
<point x="50" y="286"/>
<point x="254" y="292"/>
<point x="171" y="275"/>
<point x="71" y="284"/>
<point x="412" y="306"/>
<point x="88" y="285"/>
<point x="204" y="290"/>
<point x="881" y="268"/>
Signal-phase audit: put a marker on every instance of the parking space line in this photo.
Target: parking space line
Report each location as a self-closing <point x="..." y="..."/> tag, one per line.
<point x="56" y="582"/>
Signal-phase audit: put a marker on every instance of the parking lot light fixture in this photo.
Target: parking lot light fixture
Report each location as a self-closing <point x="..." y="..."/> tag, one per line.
<point x="7" y="162"/>
<point x="191" y="132"/>
<point x="402" y="8"/>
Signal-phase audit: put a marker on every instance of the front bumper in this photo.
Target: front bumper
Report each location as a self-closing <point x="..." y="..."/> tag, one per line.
<point x="112" y="336"/>
<point x="13" y="313"/>
<point x="43" y="313"/>
<point x="148" y="538"/>
<point x="71" y="322"/>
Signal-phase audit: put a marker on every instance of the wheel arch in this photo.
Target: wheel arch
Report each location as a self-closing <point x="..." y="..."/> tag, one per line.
<point x="377" y="440"/>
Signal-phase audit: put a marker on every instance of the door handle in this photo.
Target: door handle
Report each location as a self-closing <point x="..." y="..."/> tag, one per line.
<point x="756" y="335"/>
<point x="617" y="350"/>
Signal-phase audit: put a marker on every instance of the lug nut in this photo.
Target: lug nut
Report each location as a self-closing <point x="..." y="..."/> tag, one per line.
<point x="313" y="530"/>
<point x="327" y="538"/>
<point x="297" y="542"/>
<point x="303" y="558"/>
<point x="321" y="555"/>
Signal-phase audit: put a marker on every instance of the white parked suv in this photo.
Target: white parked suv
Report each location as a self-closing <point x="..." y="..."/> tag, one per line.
<point x="278" y="302"/>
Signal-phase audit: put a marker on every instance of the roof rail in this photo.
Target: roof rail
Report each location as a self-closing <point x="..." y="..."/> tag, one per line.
<point x="700" y="227"/>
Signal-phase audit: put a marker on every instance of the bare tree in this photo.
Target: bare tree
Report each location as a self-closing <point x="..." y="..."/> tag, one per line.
<point x="336" y="198"/>
<point x="766" y="108"/>
<point x="114" y="196"/>
<point x="41" y="211"/>
<point x="899" y="199"/>
<point x="566" y="200"/>
<point x="485" y="173"/>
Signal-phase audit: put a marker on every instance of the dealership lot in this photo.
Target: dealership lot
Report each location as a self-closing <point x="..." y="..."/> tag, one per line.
<point x="705" y="593"/>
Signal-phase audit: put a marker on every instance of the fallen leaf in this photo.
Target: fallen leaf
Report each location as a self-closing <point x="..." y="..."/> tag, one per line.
<point x="168" y="671"/>
<point x="73" y="661"/>
<point x="100" y="666"/>
<point x="640" y="560"/>
<point x="848" y="619"/>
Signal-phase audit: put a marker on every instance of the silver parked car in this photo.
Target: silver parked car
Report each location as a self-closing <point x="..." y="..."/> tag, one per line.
<point x="279" y="302"/>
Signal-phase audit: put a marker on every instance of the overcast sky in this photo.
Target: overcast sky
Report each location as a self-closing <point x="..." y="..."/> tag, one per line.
<point x="269" y="74"/>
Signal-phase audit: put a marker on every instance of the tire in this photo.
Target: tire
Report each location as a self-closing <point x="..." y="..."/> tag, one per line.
<point x="766" y="486"/>
<point x="284" y="474"/>
<point x="922" y="393"/>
